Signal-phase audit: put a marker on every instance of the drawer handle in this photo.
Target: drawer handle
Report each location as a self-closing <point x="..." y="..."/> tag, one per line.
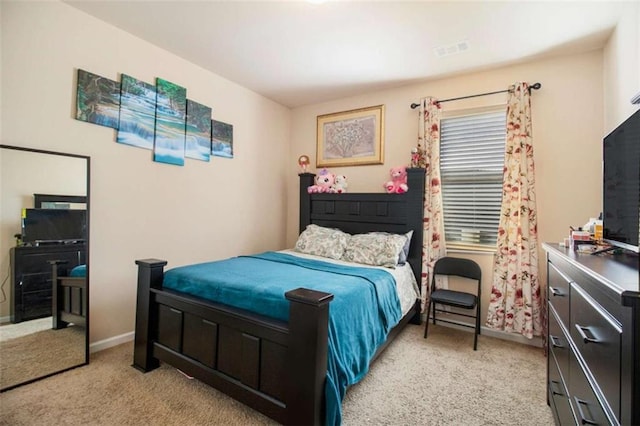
<point x="555" y="292"/>
<point x="583" y="335"/>
<point x="555" y="342"/>
<point x="583" y="419"/>
<point x="553" y="388"/>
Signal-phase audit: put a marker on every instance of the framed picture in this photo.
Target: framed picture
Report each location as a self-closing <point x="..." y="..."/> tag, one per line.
<point x="351" y="138"/>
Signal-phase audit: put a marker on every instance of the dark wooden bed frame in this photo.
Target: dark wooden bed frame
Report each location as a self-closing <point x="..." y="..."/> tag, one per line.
<point x="277" y="368"/>
<point x="69" y="297"/>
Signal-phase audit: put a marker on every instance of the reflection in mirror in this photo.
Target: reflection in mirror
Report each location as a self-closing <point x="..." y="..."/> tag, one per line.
<point x="44" y="242"/>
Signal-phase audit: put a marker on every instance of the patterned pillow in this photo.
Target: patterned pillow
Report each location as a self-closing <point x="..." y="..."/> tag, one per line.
<point x="321" y="241"/>
<point x="404" y="254"/>
<point x="375" y="248"/>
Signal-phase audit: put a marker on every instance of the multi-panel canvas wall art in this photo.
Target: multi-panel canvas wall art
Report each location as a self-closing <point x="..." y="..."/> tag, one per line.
<point x="97" y="100"/>
<point x="159" y="118"/>
<point x="221" y="139"/>
<point x="171" y="113"/>
<point x="198" y="144"/>
<point x="137" y="113"/>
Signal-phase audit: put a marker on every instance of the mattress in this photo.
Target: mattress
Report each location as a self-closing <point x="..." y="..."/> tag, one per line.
<point x="406" y="284"/>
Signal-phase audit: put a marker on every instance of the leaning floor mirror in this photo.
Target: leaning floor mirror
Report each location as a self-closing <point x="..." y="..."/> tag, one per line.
<point x="44" y="254"/>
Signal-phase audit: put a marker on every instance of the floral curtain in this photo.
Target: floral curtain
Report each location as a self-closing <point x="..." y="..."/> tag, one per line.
<point x="427" y="155"/>
<point x="515" y="304"/>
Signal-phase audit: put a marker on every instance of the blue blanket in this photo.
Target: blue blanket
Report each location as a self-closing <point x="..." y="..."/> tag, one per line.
<point x="79" y="271"/>
<point x="364" y="309"/>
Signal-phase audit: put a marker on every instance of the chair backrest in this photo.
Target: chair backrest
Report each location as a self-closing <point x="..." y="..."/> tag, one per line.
<point x="465" y="268"/>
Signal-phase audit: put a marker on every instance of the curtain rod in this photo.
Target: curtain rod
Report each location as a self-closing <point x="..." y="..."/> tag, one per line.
<point x="534" y="86"/>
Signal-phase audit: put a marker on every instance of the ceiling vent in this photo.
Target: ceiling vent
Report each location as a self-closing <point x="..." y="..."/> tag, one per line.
<point x="452" y="49"/>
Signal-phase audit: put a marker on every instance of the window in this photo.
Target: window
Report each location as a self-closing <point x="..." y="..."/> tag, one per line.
<point x="471" y="166"/>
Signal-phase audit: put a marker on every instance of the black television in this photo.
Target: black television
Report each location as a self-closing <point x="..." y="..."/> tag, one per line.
<point x="621" y="185"/>
<point x="47" y="226"/>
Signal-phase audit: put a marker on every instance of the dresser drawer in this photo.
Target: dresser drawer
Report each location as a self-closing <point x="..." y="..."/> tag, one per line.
<point x="558" y="395"/>
<point x="558" y="343"/>
<point x="585" y="404"/>
<point x="36" y="304"/>
<point x="36" y="282"/>
<point x="598" y="339"/>
<point x="558" y="292"/>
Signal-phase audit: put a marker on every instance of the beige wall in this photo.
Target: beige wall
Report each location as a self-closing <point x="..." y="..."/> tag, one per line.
<point x="142" y="209"/>
<point x="567" y="130"/>
<point x="622" y="68"/>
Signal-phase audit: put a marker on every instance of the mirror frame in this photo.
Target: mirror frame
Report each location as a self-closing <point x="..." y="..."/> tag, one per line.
<point x="87" y="257"/>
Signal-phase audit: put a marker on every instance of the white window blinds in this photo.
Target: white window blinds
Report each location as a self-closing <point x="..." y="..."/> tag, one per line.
<point x="471" y="167"/>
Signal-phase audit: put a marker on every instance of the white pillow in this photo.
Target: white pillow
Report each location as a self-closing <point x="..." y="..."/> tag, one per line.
<point x="321" y="241"/>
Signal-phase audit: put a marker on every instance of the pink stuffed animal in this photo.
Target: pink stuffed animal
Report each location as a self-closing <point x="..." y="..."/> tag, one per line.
<point x="324" y="180"/>
<point x="398" y="182"/>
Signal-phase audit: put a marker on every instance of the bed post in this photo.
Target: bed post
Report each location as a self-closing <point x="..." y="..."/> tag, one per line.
<point x="56" y="296"/>
<point x="307" y="355"/>
<point x="150" y="273"/>
<point x="306" y="180"/>
<point x="415" y="206"/>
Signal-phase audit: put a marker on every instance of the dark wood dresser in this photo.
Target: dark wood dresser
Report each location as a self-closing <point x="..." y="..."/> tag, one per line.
<point x="31" y="285"/>
<point x="593" y="336"/>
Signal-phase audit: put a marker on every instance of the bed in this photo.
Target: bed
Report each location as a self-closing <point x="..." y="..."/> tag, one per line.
<point x="280" y="364"/>
<point x="69" y="295"/>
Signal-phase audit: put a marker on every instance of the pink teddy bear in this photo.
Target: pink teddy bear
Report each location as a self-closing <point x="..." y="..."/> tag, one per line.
<point x="398" y="182"/>
<point x="324" y="181"/>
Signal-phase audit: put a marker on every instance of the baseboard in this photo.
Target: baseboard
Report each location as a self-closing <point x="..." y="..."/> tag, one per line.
<point x="111" y="342"/>
<point x="513" y="337"/>
<point x="498" y="334"/>
<point x="5" y="320"/>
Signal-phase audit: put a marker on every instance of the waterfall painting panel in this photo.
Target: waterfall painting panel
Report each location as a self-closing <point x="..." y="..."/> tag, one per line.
<point x="198" y="144"/>
<point x="221" y="139"/>
<point x="97" y="100"/>
<point x="137" y="113"/>
<point x="171" y="109"/>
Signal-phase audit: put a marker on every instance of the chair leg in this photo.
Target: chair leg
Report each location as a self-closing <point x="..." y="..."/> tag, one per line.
<point x="434" y="313"/>
<point x="477" y="330"/>
<point x="426" y="323"/>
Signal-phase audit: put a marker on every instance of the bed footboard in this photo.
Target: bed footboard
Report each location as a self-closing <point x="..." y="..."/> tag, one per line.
<point x="275" y="367"/>
<point x="69" y="298"/>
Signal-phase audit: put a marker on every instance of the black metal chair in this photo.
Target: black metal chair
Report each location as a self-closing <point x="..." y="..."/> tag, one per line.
<point x="464" y="268"/>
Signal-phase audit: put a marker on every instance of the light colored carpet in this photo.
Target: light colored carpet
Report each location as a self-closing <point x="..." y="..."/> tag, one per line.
<point x="39" y="354"/>
<point x="438" y="381"/>
<point x="11" y="331"/>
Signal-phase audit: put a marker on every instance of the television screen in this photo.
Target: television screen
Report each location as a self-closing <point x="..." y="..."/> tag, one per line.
<point x="53" y="225"/>
<point x="621" y="186"/>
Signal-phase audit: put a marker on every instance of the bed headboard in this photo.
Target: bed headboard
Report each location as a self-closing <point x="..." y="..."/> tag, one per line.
<point x="357" y="213"/>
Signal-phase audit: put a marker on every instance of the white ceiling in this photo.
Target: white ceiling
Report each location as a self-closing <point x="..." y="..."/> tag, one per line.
<point x="299" y="52"/>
